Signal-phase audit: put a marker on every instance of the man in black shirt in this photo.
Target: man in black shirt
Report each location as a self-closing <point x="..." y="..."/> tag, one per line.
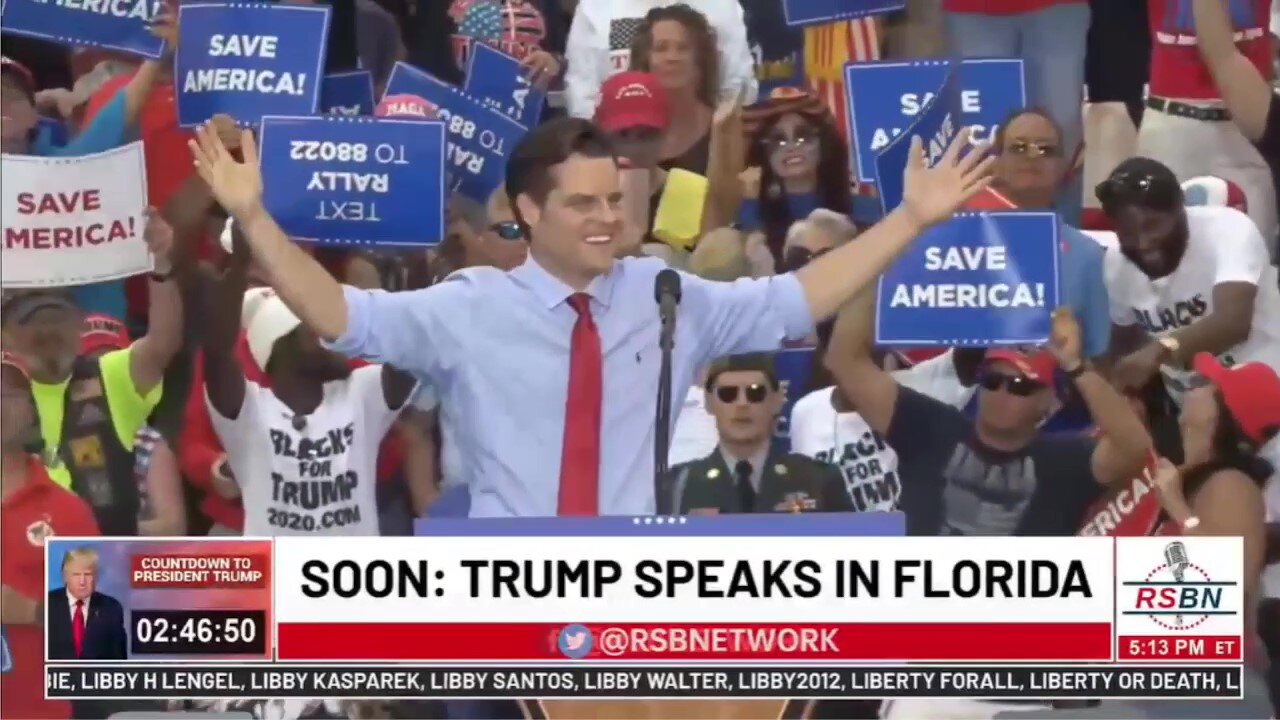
<point x="996" y="475"/>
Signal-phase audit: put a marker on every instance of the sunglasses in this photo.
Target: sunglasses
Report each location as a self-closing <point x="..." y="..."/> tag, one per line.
<point x="1034" y="149"/>
<point x="509" y="230"/>
<point x="1016" y="385"/>
<point x="755" y="392"/>
<point x="799" y="141"/>
<point x="797" y="257"/>
<point x="1125" y="188"/>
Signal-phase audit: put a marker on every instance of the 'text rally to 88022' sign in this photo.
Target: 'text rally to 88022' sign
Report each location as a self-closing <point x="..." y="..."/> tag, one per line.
<point x="356" y="181"/>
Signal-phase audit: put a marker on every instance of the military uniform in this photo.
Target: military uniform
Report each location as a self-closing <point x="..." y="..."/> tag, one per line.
<point x="789" y="482"/>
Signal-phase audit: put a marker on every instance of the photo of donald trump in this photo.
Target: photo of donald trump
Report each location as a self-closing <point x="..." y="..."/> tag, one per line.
<point x="82" y="623"/>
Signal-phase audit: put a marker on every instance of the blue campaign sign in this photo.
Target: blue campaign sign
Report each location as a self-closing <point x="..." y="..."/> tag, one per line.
<point x="354" y="181"/>
<point x="249" y="60"/>
<point x="864" y="524"/>
<point x="936" y="125"/>
<point x="118" y="25"/>
<point x="885" y="97"/>
<point x="498" y="80"/>
<point x="820" y="12"/>
<point x="794" y="367"/>
<point x="347" y="93"/>
<point x="982" y="279"/>
<point x="480" y="138"/>
<point x="55" y="130"/>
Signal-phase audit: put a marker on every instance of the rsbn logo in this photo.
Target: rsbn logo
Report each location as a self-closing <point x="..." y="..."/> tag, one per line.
<point x="1178" y="595"/>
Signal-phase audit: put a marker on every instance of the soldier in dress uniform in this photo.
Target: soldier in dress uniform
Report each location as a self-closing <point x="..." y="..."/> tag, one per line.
<point x="744" y="473"/>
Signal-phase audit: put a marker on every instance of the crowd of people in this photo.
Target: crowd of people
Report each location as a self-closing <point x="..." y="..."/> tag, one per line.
<point x="254" y="385"/>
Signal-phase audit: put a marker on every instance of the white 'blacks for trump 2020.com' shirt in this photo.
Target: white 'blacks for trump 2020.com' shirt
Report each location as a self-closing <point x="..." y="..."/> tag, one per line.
<point x="317" y="480"/>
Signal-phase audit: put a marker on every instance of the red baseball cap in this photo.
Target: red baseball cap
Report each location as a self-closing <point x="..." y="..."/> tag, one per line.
<point x="632" y="99"/>
<point x="103" y="332"/>
<point x="1250" y="391"/>
<point x="1039" y="366"/>
<point x="20" y="71"/>
<point x="406" y="106"/>
<point x="13" y="361"/>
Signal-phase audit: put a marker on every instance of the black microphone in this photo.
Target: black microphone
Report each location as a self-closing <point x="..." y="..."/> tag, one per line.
<point x="667" y="287"/>
<point x="666" y="291"/>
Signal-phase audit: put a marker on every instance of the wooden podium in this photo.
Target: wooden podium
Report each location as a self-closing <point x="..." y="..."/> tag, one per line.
<point x="667" y="709"/>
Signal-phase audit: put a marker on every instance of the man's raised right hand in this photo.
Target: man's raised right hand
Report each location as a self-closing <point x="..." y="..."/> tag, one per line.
<point x="236" y="184"/>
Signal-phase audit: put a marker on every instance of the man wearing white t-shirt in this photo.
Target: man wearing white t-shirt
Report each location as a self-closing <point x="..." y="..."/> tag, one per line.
<point x="304" y="451"/>
<point x="826" y="427"/>
<point x="1184" y="280"/>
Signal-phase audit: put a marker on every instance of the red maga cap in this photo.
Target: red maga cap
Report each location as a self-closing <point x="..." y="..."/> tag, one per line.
<point x="103" y="332"/>
<point x="1251" y="392"/>
<point x="1039" y="366"/>
<point x="632" y="99"/>
<point x="406" y="106"/>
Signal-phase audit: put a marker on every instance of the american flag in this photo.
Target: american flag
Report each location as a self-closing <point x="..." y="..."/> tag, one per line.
<point x="513" y="26"/>
<point x="826" y="50"/>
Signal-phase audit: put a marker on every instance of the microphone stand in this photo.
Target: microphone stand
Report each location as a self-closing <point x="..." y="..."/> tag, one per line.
<point x="662" y="425"/>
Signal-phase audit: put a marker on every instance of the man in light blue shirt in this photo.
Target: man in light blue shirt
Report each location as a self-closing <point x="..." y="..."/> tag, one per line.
<point x="496" y="345"/>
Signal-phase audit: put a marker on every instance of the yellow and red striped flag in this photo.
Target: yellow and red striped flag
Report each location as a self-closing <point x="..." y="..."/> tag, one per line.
<point x="827" y="48"/>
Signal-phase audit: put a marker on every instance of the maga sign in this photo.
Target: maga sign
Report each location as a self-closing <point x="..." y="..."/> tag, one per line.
<point x="115" y="24"/>
<point x="498" y="80"/>
<point x="355" y="181"/>
<point x="820" y="12"/>
<point x="71" y="221"/>
<point x="348" y="93"/>
<point x="480" y="138"/>
<point x="885" y="98"/>
<point x="249" y="60"/>
<point x="981" y="279"/>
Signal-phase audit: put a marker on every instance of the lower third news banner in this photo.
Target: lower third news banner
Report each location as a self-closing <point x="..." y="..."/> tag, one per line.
<point x="582" y="681"/>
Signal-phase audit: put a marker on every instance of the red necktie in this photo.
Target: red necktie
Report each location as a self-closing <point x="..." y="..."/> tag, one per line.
<point x="77" y="626"/>
<point x="580" y="457"/>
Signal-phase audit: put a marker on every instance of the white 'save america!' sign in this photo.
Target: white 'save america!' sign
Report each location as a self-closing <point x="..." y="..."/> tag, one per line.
<point x="71" y="221"/>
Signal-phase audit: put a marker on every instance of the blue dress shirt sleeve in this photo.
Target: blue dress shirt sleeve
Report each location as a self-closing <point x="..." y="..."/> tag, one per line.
<point x="420" y="332"/>
<point x="1085" y="290"/>
<point x="749" y="315"/>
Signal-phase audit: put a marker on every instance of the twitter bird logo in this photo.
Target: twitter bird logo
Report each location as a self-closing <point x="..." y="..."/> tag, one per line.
<point x="574" y="641"/>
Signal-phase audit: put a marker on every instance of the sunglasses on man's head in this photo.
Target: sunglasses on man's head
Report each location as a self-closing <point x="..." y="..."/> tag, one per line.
<point x="1034" y="149"/>
<point x="1124" y="188"/>
<point x="509" y="230"/>
<point x="1013" y="384"/>
<point x="755" y="393"/>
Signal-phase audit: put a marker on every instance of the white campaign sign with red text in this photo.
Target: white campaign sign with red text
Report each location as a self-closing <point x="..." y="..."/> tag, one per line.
<point x="71" y="221"/>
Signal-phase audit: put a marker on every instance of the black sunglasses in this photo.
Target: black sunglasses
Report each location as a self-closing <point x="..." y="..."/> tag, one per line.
<point x="797" y="257"/>
<point x="755" y="392"/>
<point x="1034" y="149"/>
<point x="1013" y="384"/>
<point x="509" y="230"/>
<point x="1125" y="188"/>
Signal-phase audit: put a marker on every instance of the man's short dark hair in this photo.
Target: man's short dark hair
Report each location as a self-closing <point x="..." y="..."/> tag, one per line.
<point x="546" y="146"/>
<point x="746" y="362"/>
